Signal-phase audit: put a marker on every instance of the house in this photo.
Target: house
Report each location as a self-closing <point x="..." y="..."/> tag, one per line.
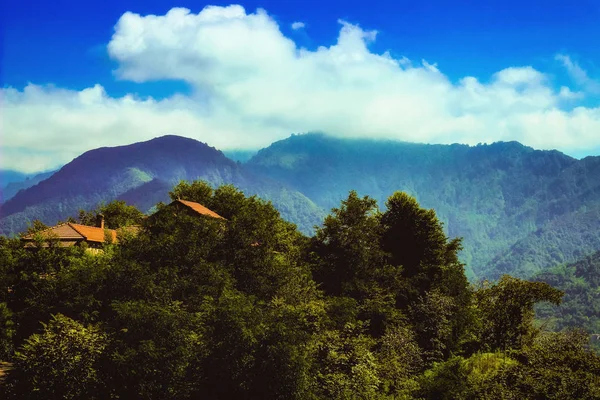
<point x="71" y="234"/>
<point x="193" y="208"/>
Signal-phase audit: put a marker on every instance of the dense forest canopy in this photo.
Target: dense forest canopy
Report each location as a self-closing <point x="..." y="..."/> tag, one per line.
<point x="375" y="305"/>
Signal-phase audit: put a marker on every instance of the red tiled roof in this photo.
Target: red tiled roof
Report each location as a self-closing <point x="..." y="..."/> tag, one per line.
<point x="62" y="231"/>
<point x="199" y="208"/>
<point x="72" y="232"/>
<point x="94" y="234"/>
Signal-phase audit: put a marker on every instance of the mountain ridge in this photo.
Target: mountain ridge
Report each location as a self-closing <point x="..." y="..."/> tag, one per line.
<point x="506" y="199"/>
<point x="481" y="193"/>
<point x="108" y="173"/>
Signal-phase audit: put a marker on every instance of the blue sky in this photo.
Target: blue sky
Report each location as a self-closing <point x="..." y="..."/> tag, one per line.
<point x="468" y="71"/>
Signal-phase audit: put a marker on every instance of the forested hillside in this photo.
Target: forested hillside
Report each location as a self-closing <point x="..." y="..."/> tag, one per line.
<point x="375" y="306"/>
<point x="518" y="209"/>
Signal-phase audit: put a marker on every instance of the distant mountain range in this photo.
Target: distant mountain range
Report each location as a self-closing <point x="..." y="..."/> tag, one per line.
<point x="519" y="210"/>
<point x="13" y="182"/>
<point x="9" y="176"/>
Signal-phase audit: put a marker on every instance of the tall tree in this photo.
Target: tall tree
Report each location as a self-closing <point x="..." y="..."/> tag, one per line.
<point x="437" y="286"/>
<point x="347" y="247"/>
<point x="116" y="214"/>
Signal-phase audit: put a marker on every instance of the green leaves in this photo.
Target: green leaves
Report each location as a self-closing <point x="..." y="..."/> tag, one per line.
<point x="197" y="191"/>
<point x="154" y="349"/>
<point x="375" y="306"/>
<point x="507" y="310"/>
<point x="117" y="214"/>
<point x="60" y="363"/>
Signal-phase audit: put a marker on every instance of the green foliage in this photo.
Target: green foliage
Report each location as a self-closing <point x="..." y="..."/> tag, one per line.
<point x="506" y="309"/>
<point x="553" y="366"/>
<point x="375" y="306"/>
<point x="7" y="331"/>
<point x="557" y="366"/>
<point x="436" y="292"/>
<point x="479" y="377"/>
<point x="116" y="213"/>
<point x="348" y="368"/>
<point x="59" y="363"/>
<point x="581" y="303"/>
<point x="155" y="347"/>
<point x="36" y="226"/>
<point x="347" y="247"/>
<point x="399" y="360"/>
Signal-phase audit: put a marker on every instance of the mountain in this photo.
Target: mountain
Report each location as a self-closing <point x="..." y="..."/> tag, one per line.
<point x="505" y="199"/>
<point x="519" y="210"/>
<point x="12" y="188"/>
<point x="143" y="173"/>
<point x="9" y="176"/>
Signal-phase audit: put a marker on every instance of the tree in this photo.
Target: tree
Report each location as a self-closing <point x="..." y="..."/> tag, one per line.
<point x="36" y="226"/>
<point x="156" y="350"/>
<point x="432" y="321"/>
<point x="34" y="296"/>
<point x="7" y="331"/>
<point x="117" y="214"/>
<point x="557" y="366"/>
<point x="414" y="238"/>
<point x="506" y="309"/>
<point x="399" y="361"/>
<point x="346" y="249"/>
<point x="347" y="366"/>
<point x="59" y="363"/>
<point x="262" y="251"/>
<point x="197" y="191"/>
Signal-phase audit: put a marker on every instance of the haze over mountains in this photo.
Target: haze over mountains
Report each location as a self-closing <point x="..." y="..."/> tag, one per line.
<point x="11" y="182"/>
<point x="519" y="210"/>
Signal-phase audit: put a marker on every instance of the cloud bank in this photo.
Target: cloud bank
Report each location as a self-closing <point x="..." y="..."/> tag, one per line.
<point x="252" y="85"/>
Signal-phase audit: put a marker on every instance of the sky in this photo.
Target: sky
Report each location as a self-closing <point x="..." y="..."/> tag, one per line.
<point x="76" y="75"/>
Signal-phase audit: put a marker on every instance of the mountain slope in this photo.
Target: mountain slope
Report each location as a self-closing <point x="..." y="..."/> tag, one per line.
<point x="141" y="173"/>
<point x="492" y="195"/>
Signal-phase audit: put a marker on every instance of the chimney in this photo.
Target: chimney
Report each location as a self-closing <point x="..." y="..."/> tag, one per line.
<point x="100" y="221"/>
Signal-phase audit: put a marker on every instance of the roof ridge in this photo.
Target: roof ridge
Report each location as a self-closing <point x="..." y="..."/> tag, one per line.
<point x="88" y="226"/>
<point x="45" y="230"/>
<point x="208" y="212"/>
<point x="77" y="230"/>
<point x="88" y="236"/>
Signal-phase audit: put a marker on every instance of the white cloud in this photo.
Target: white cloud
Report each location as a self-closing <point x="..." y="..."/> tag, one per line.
<point x="298" y="25"/>
<point x="579" y="75"/>
<point x="252" y="85"/>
